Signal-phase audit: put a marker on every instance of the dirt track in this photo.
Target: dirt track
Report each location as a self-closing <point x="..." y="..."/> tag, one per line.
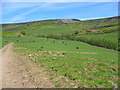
<point x="17" y="72"/>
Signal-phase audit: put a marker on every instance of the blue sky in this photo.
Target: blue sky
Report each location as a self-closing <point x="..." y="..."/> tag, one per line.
<point x="15" y="12"/>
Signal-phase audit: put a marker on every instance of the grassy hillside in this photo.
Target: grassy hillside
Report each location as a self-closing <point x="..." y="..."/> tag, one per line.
<point x="50" y="30"/>
<point x="76" y="63"/>
<point x="40" y="26"/>
<point x="113" y="37"/>
<point x="89" y="29"/>
<point x="69" y="52"/>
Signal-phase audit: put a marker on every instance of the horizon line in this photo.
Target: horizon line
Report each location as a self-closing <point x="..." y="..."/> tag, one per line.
<point x="59" y="18"/>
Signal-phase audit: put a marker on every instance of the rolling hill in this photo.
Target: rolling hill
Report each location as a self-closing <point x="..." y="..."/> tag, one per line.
<point x="69" y="50"/>
<point x="105" y="29"/>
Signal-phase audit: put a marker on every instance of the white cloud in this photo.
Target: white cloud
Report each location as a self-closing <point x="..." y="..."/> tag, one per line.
<point x="45" y="6"/>
<point x="17" y="18"/>
<point x="23" y="15"/>
<point x="11" y="7"/>
<point x="60" y="0"/>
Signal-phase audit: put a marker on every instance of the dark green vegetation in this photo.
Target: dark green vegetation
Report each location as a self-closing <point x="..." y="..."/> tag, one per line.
<point x="59" y="49"/>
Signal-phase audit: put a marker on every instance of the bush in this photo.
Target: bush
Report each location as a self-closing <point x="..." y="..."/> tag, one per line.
<point x="23" y="33"/>
<point x="76" y="32"/>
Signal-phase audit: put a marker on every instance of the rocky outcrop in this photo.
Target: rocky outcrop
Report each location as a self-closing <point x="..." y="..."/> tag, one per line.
<point x="64" y="21"/>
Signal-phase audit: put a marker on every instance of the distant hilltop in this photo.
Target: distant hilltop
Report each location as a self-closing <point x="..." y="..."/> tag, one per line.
<point x="61" y="21"/>
<point x="56" y="21"/>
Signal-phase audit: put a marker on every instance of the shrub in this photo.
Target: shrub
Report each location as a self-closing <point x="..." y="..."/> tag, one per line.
<point x="23" y="33"/>
<point x="76" y="32"/>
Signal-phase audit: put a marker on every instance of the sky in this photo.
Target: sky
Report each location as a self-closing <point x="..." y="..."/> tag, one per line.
<point x="16" y="11"/>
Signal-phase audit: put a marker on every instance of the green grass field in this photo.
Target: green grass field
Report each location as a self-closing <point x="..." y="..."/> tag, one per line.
<point x="51" y="30"/>
<point x="47" y="27"/>
<point x="70" y="61"/>
<point x="112" y="37"/>
<point x="107" y="31"/>
<point x="78" y="63"/>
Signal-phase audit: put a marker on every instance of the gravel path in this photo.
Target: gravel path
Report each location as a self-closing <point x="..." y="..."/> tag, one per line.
<point x="18" y="72"/>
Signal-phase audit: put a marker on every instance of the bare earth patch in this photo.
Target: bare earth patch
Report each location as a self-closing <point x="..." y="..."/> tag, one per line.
<point x="60" y="52"/>
<point x="19" y="48"/>
<point x="87" y="53"/>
